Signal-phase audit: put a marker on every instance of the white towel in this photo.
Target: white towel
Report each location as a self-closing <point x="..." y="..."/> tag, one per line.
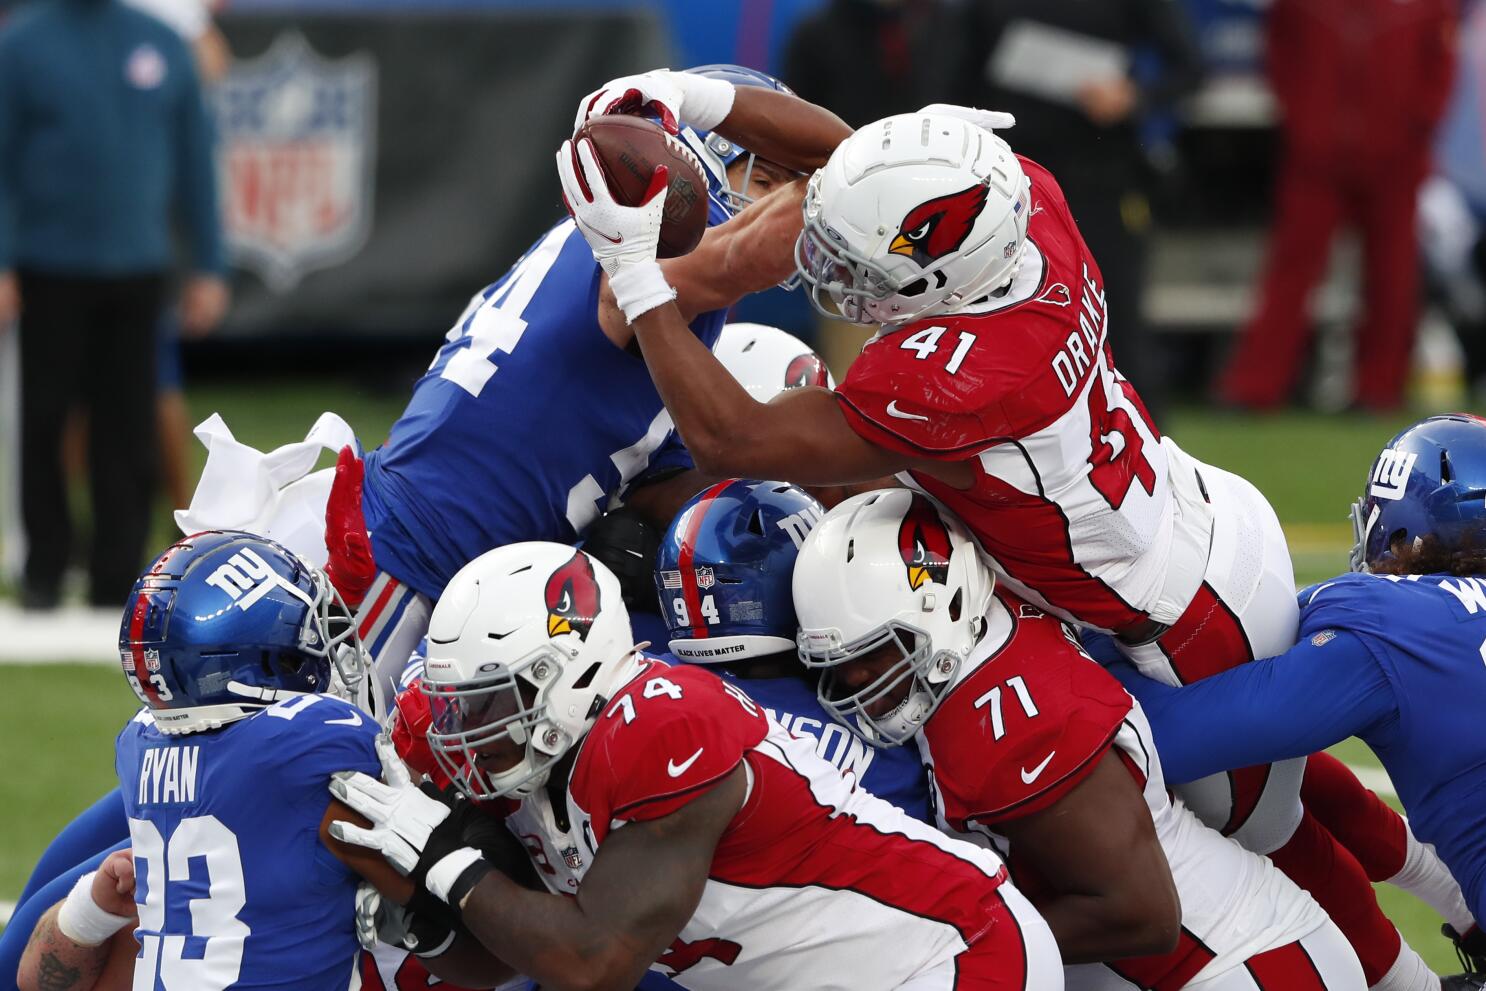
<point x="277" y="495"/>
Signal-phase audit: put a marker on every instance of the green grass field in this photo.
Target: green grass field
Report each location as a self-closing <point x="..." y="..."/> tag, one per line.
<point x="62" y="718"/>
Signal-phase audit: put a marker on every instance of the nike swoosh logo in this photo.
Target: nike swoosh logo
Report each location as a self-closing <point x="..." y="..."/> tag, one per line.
<point x="354" y="719"/>
<point x="612" y="239"/>
<point x="675" y="770"/>
<point x="893" y="410"/>
<point x="1036" y="772"/>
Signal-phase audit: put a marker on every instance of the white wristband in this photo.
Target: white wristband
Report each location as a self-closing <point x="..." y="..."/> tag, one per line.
<point x="705" y="103"/>
<point x="639" y="288"/>
<point x="82" y="921"/>
<point x="442" y="875"/>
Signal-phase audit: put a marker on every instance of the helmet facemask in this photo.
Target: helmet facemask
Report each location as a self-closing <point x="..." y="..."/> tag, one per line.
<point x="1363" y="520"/>
<point x="928" y="672"/>
<point x="502" y="703"/>
<point x="329" y="631"/>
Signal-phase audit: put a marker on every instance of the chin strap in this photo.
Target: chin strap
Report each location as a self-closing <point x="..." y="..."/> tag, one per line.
<point x="262" y="695"/>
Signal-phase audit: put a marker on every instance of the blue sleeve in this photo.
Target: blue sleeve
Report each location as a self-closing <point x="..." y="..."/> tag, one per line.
<point x="9" y="152"/>
<point x="1293" y="705"/>
<point x="341" y="738"/>
<point x="305" y="742"/>
<point x="671" y="456"/>
<point x="196" y="173"/>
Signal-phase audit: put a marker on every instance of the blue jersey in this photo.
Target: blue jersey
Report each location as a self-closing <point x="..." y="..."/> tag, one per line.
<point x="528" y="422"/>
<point x="1395" y="661"/>
<point x="234" y="887"/>
<point x="893" y="774"/>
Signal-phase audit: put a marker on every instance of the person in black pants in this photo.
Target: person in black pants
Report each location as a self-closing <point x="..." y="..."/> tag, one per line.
<point x="104" y="139"/>
<point x="1088" y="137"/>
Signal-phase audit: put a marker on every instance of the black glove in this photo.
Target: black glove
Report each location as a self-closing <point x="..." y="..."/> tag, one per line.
<point x="627" y="543"/>
<point x="1470" y="948"/>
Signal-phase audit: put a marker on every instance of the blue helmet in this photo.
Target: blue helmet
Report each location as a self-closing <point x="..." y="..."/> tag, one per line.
<point x="716" y="151"/>
<point x="226" y="623"/>
<point x="1430" y="481"/>
<point x="724" y="570"/>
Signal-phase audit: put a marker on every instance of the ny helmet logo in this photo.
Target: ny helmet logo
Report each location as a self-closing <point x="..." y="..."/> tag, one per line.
<point x="1390" y="476"/>
<point x="246" y="578"/>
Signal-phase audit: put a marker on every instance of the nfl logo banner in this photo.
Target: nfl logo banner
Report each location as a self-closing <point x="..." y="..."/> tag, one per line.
<point x="297" y="144"/>
<point x="705" y="578"/>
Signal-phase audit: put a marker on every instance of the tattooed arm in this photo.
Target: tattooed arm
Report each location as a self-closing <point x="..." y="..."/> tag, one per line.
<point x="54" y="962"/>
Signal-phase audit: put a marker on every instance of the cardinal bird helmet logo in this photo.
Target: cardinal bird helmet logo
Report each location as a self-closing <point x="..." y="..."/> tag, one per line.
<point x="923" y="540"/>
<point x="936" y="227"/>
<point x="805" y="369"/>
<point x="572" y="597"/>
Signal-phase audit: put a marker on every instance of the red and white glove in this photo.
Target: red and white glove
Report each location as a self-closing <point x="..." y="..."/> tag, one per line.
<point x="986" y="120"/>
<point x="671" y="96"/>
<point x="624" y="239"/>
<point x="350" y="566"/>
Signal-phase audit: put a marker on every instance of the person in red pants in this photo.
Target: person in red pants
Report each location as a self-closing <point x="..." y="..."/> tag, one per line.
<point x="1361" y="85"/>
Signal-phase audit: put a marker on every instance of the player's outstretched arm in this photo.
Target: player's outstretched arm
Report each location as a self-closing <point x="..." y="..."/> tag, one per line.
<point x="1305" y="700"/>
<point x="801" y="436"/>
<point x="91" y="947"/>
<point x="644" y="885"/>
<point x="752" y="252"/>
<point x="780" y="127"/>
<point x="783" y="128"/>
<point x="1109" y="892"/>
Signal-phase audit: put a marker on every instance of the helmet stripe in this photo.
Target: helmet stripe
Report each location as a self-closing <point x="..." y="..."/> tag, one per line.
<point x="689" y="589"/>
<point x="136" y="646"/>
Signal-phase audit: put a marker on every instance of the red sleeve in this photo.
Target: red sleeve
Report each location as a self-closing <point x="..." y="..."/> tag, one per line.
<point x="1025" y="728"/>
<point x="916" y="406"/>
<point x="668" y="736"/>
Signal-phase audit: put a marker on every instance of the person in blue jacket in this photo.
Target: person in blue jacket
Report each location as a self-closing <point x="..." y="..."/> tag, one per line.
<point x="1393" y="653"/>
<point x="104" y="145"/>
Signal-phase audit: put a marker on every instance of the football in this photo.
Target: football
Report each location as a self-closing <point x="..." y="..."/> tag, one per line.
<point x="628" y="149"/>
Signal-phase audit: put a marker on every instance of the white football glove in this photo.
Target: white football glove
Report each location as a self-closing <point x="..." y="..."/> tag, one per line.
<point x="370" y="915"/>
<point x="401" y="815"/>
<point x="988" y="120"/>
<point x="379" y="920"/>
<point x="672" y="96"/>
<point x="624" y="239"/>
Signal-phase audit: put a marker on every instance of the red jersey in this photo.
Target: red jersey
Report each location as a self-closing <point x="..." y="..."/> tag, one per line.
<point x="1072" y="495"/>
<point x="813" y="884"/>
<point x="1028" y="721"/>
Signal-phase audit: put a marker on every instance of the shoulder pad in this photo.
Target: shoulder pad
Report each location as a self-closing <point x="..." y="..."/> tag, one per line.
<point x="667" y="736"/>
<point x="1024" y="728"/>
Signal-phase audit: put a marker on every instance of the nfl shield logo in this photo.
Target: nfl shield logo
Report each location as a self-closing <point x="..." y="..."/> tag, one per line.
<point x="705" y="578"/>
<point x="298" y="139"/>
<point x="152" y="659"/>
<point x="572" y="858"/>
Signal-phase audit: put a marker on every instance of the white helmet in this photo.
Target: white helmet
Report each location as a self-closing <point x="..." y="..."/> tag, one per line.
<point x="889" y="567"/>
<point x="529" y="641"/>
<point x="913" y="216"/>
<point x="766" y="361"/>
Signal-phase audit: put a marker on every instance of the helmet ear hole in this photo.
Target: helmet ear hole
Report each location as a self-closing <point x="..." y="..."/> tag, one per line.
<point x="914" y="288"/>
<point x="586" y="678"/>
<point x="756" y="523"/>
<point x="1397" y="537"/>
<point x="956" y="605"/>
<point x="1447" y="474"/>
